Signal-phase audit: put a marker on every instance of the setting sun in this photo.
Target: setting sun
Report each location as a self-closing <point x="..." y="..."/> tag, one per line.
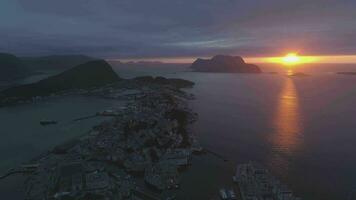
<point x="291" y="59"/>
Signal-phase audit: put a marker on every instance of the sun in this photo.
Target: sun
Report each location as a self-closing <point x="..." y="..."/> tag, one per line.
<point x="291" y="59"/>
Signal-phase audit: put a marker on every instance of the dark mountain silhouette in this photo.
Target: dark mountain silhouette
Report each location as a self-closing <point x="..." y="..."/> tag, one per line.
<point x="298" y="74"/>
<point x="12" y="67"/>
<point x="90" y="74"/>
<point x="179" y="83"/>
<point x="55" y="62"/>
<point x="224" y="63"/>
<point x="144" y="63"/>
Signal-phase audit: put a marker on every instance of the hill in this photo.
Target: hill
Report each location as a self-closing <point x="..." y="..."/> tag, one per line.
<point x="55" y="62"/>
<point x="12" y="67"/>
<point x="90" y="74"/>
<point x="179" y="83"/>
<point x="224" y="63"/>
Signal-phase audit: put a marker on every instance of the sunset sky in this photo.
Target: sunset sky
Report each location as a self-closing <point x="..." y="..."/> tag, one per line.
<point x="178" y="29"/>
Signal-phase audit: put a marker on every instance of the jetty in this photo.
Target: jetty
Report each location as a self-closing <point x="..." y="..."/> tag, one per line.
<point x="27" y="168"/>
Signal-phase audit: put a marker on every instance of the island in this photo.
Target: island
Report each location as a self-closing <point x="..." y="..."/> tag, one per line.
<point x="298" y="74"/>
<point x="224" y="63"/>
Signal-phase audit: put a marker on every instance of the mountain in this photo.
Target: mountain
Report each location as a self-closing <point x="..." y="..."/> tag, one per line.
<point x="90" y="74"/>
<point x="144" y="63"/>
<point x="12" y="67"/>
<point x="55" y="62"/>
<point x="179" y="83"/>
<point x="224" y="63"/>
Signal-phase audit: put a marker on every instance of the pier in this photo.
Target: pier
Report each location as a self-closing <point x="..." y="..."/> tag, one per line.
<point x="86" y="117"/>
<point x="216" y="155"/>
<point x="29" y="168"/>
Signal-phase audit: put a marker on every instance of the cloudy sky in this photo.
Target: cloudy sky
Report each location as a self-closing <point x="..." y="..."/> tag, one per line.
<point x="177" y="28"/>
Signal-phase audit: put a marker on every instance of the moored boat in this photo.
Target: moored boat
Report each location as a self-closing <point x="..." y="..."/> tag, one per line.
<point x="48" y="122"/>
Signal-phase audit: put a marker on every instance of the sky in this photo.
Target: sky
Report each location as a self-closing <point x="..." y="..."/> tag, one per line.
<point x="177" y="28"/>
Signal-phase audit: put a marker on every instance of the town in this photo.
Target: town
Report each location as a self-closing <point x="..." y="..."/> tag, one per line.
<point x="148" y="139"/>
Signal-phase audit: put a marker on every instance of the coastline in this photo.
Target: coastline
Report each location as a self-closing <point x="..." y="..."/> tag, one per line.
<point x="132" y="108"/>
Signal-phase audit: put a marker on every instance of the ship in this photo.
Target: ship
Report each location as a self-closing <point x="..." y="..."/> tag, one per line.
<point x="48" y="122"/>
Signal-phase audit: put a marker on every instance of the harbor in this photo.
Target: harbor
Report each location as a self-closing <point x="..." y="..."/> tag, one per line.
<point x="256" y="183"/>
<point x="145" y="140"/>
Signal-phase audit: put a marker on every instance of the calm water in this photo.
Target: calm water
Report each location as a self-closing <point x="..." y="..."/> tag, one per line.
<point x="302" y="129"/>
<point x="23" y="138"/>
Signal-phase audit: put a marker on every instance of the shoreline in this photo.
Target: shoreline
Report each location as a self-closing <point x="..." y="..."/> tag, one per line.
<point x="168" y="155"/>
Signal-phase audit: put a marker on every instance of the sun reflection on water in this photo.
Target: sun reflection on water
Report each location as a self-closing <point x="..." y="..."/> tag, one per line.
<point x="286" y="138"/>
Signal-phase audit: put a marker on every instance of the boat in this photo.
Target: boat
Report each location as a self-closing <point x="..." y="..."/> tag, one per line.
<point x="234" y="178"/>
<point x="223" y="194"/>
<point x="231" y="194"/>
<point x="256" y="182"/>
<point x="48" y="122"/>
<point x="107" y="113"/>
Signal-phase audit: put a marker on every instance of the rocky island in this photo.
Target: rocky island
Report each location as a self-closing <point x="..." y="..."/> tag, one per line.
<point x="224" y="63"/>
<point x="298" y="74"/>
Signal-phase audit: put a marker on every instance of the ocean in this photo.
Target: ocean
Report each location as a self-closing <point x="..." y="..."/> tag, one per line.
<point x="302" y="129"/>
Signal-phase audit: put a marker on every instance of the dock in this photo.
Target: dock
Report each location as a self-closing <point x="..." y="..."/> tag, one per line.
<point x="28" y="168"/>
<point x="83" y="118"/>
<point x="216" y="155"/>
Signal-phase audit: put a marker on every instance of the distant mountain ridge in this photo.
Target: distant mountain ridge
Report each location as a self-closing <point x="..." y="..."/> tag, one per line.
<point x="144" y="63"/>
<point x="90" y="74"/>
<point x="12" y="67"/>
<point x="55" y="62"/>
<point x="224" y="63"/>
<point x="180" y="83"/>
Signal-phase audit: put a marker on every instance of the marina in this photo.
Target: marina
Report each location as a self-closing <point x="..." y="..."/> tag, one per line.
<point x="256" y="183"/>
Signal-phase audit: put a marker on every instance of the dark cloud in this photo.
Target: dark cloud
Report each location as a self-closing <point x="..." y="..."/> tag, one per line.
<point x="141" y="28"/>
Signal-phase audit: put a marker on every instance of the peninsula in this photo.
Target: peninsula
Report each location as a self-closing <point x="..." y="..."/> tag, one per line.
<point x="140" y="149"/>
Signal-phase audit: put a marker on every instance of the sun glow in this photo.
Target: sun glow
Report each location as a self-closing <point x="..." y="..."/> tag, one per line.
<point x="291" y="59"/>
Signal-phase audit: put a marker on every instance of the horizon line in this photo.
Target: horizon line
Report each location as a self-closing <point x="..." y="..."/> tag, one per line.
<point x="314" y="59"/>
